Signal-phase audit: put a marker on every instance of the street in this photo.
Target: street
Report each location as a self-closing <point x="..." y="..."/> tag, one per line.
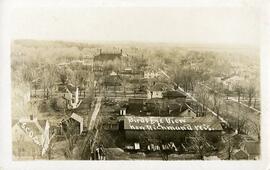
<point x="95" y="113"/>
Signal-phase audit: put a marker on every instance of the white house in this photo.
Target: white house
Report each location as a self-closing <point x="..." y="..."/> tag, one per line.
<point x="75" y="120"/>
<point x="151" y="74"/>
<point x="156" y="91"/>
<point x="78" y="119"/>
<point x="74" y="101"/>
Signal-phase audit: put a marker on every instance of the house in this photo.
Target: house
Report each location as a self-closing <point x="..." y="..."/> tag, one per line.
<point x="111" y="125"/>
<point x="113" y="80"/>
<point x="156" y="91"/>
<point x="123" y="112"/>
<point x="151" y="74"/>
<point x="30" y="137"/>
<point x="135" y="105"/>
<point x="73" y="98"/>
<point x="107" y="56"/>
<point x="171" y="128"/>
<point x="127" y="71"/>
<point x="158" y="107"/>
<point x="74" y="124"/>
<point x="188" y="113"/>
<point x="174" y="94"/>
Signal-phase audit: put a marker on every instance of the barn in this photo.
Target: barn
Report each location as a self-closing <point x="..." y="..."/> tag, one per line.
<point x="170" y="128"/>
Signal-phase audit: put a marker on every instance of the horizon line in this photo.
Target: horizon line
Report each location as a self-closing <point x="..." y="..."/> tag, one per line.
<point x="179" y="43"/>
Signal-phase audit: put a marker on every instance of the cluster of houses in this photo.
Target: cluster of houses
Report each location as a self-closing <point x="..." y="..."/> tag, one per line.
<point x="163" y="113"/>
<point x="31" y="137"/>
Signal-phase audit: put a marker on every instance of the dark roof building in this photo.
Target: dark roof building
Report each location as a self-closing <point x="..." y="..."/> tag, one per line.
<point x="135" y="105"/>
<point x="106" y="56"/>
<point x="75" y="121"/>
<point x="30" y="137"/>
<point x="172" y="94"/>
<point x="208" y="123"/>
<point x="170" y="129"/>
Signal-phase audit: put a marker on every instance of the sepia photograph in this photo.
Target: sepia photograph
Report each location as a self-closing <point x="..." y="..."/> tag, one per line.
<point x="164" y="86"/>
<point x="135" y="83"/>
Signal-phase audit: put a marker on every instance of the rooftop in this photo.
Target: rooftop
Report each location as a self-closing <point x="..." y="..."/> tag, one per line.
<point x="159" y="87"/>
<point x="207" y="123"/>
<point x="174" y="94"/>
<point x="102" y="56"/>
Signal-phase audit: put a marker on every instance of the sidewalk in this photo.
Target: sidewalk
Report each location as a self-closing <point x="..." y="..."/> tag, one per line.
<point x="243" y="104"/>
<point x="95" y="113"/>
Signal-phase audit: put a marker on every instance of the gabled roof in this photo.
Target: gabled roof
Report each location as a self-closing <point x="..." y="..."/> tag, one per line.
<point x="174" y="94"/>
<point x="32" y="128"/>
<point x="188" y="113"/>
<point x="113" y="73"/>
<point x="77" y="117"/>
<point x="33" y="124"/>
<point x="159" y="87"/>
<point x="71" y="88"/>
<point x="207" y="123"/>
<point x="107" y="56"/>
<point x="42" y="123"/>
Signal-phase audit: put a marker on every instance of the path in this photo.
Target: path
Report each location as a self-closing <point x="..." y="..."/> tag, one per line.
<point x="252" y="108"/>
<point x="91" y="127"/>
<point x="95" y="113"/>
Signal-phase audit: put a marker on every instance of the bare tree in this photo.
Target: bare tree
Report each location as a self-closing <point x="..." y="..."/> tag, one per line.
<point x="256" y="129"/>
<point x="200" y="142"/>
<point x="227" y="93"/>
<point x="239" y="91"/>
<point x="203" y="97"/>
<point x="251" y="92"/>
<point x="242" y="124"/>
<point x="51" y="148"/>
<point x="217" y="101"/>
<point x="19" y="141"/>
<point x="71" y="138"/>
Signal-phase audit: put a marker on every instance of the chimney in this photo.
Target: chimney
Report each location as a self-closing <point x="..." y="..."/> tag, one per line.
<point x="31" y="117"/>
<point x="121" y="51"/>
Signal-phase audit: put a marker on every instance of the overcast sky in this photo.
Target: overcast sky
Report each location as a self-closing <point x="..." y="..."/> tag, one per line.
<point x="156" y="24"/>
